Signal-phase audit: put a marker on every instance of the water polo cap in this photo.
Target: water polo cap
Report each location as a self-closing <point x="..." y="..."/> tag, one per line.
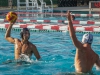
<point x="87" y="38"/>
<point x="23" y="31"/>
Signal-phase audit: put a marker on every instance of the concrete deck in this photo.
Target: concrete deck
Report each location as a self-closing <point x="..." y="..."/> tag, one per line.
<point x="79" y="8"/>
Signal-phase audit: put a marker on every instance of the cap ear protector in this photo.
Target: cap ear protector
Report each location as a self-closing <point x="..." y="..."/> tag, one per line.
<point x="23" y="31"/>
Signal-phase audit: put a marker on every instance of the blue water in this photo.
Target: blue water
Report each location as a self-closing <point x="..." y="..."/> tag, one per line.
<point x="55" y="48"/>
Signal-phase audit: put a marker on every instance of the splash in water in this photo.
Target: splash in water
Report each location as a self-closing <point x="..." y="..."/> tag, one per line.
<point x="25" y="58"/>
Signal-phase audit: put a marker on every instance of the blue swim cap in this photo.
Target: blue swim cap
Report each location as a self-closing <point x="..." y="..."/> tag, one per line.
<point x="87" y="38"/>
<point x="23" y="31"/>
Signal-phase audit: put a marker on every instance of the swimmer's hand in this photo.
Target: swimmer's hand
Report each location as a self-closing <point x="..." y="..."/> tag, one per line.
<point x="40" y="59"/>
<point x="69" y="16"/>
<point x="13" y="22"/>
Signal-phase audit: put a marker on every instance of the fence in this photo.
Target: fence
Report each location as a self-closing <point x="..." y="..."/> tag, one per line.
<point x="4" y="3"/>
<point x="67" y="3"/>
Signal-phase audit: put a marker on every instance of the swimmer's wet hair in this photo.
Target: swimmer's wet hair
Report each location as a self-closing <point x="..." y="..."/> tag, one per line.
<point x="23" y="31"/>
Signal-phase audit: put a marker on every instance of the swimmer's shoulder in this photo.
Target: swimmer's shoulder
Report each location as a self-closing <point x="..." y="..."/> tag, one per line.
<point x="17" y="40"/>
<point x="31" y="44"/>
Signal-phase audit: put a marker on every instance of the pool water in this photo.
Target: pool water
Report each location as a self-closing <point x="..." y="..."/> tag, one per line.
<point x="55" y="48"/>
<point x="64" y="18"/>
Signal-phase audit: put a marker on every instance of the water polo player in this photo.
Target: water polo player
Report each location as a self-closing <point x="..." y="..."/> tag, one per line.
<point x="85" y="57"/>
<point x="22" y="46"/>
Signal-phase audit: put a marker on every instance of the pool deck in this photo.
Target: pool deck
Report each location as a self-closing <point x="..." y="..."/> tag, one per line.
<point x="85" y="8"/>
<point x="78" y="8"/>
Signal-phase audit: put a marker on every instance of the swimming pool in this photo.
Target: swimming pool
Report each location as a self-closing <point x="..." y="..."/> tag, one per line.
<point x="55" y="48"/>
<point x="54" y="16"/>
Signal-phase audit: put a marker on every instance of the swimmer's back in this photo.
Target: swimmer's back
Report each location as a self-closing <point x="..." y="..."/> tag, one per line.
<point x="85" y="59"/>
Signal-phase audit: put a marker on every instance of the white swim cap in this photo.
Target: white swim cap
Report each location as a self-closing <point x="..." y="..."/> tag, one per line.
<point x="87" y="38"/>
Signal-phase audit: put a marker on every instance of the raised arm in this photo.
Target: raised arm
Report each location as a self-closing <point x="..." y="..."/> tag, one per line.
<point x="8" y="32"/>
<point x="72" y="32"/>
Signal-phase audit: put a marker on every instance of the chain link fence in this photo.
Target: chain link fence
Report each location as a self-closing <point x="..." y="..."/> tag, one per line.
<point x="13" y="3"/>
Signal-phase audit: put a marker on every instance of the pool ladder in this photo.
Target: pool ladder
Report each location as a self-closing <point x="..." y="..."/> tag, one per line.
<point x="33" y="6"/>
